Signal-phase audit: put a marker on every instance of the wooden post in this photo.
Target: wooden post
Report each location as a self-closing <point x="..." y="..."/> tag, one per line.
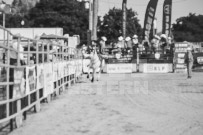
<point x="37" y="53"/>
<point x="28" y="55"/>
<point x="19" y="118"/>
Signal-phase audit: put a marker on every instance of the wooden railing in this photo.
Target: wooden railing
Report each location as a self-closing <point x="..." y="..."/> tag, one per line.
<point x="45" y="71"/>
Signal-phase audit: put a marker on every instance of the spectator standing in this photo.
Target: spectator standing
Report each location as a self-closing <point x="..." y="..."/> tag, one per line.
<point x="135" y="45"/>
<point x="163" y="43"/>
<point x="128" y="42"/>
<point x="155" y="44"/>
<point x="146" y="44"/>
<point x="189" y="61"/>
<point x="102" y="45"/>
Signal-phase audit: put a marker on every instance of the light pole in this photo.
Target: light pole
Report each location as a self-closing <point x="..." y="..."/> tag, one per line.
<point x="124" y="17"/>
<point x="93" y="18"/>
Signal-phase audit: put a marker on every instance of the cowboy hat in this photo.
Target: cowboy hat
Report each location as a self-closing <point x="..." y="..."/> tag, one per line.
<point x="135" y="36"/>
<point x="127" y="39"/>
<point x="157" y="37"/>
<point x="163" y="36"/>
<point x="120" y="38"/>
<point x="104" y="38"/>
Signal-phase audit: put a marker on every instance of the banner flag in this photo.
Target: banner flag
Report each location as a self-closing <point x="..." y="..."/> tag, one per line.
<point x="149" y="18"/>
<point x="166" y="26"/>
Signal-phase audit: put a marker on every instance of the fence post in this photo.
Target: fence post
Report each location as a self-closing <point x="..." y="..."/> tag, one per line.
<point x="138" y="60"/>
<point x="18" y="118"/>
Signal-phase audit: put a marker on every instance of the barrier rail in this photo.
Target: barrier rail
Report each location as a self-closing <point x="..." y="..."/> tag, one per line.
<point x="28" y="76"/>
<point x="144" y="56"/>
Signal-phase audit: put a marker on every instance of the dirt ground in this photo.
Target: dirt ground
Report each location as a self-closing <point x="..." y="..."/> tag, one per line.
<point x="123" y="104"/>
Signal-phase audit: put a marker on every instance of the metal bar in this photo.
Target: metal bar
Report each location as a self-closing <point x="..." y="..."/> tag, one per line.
<point x="37" y="53"/>
<point x="28" y="55"/>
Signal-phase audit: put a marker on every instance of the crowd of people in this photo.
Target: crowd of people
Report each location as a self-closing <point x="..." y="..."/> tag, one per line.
<point x="131" y="45"/>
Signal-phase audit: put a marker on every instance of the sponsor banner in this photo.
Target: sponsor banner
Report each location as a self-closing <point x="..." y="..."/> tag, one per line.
<point x="179" y="50"/>
<point x="66" y="72"/>
<point x="181" y="55"/>
<point x="80" y="65"/>
<point x="119" y="68"/>
<point x="55" y="71"/>
<point x="157" y="68"/>
<point x="134" y="67"/>
<point x="181" y="61"/>
<point x="31" y="79"/>
<point x="166" y="26"/>
<point x="149" y="18"/>
<point x="71" y="67"/>
<point x="60" y="70"/>
<point x="19" y="88"/>
<point x="179" y="66"/>
<point x="184" y="45"/>
<point x="48" y="79"/>
<point x="40" y="76"/>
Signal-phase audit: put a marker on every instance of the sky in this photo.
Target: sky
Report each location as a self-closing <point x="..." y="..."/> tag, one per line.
<point x="179" y="8"/>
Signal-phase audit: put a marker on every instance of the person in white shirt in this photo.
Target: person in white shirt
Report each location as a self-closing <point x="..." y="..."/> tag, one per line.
<point x="155" y="44"/>
<point x="128" y="44"/>
<point x="135" y="43"/>
<point x="14" y="54"/>
<point x="102" y="45"/>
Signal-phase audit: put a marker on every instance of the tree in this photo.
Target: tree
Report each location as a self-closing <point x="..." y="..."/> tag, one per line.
<point x="111" y="26"/>
<point x="70" y="15"/>
<point x="189" y="28"/>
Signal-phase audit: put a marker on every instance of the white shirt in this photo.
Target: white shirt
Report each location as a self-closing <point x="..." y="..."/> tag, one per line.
<point x="13" y="54"/>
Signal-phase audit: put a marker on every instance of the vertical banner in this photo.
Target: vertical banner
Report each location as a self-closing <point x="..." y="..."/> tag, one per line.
<point x="48" y="79"/>
<point x="55" y="71"/>
<point x="19" y="83"/>
<point x="59" y="75"/>
<point x="149" y="18"/>
<point x="40" y="76"/>
<point x="167" y="9"/>
<point x="31" y="79"/>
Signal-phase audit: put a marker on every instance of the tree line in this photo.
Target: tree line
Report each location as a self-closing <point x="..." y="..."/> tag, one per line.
<point x="72" y="16"/>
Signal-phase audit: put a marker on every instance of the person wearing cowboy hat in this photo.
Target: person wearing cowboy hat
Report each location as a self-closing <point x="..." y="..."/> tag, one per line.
<point x="163" y="43"/>
<point x="118" y="46"/>
<point x="189" y="61"/>
<point x="135" y="44"/>
<point x="170" y="45"/>
<point x="102" y="45"/>
<point x="146" y="44"/>
<point x="94" y="45"/>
